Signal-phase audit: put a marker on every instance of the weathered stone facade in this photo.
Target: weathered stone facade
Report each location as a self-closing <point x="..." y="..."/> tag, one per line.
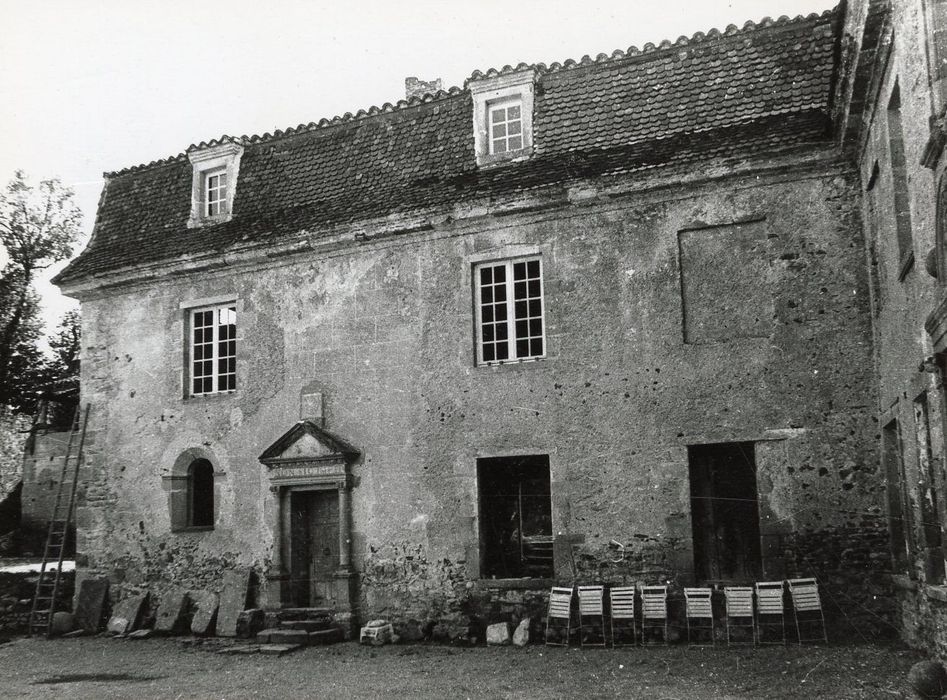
<point x="383" y="332"/>
<point x="898" y="147"/>
<point x="725" y="303"/>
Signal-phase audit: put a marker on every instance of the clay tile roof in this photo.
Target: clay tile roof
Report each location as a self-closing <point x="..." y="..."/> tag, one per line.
<point x="715" y="95"/>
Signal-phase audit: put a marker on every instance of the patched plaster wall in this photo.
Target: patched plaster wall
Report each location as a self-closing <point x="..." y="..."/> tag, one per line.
<point x="384" y="330"/>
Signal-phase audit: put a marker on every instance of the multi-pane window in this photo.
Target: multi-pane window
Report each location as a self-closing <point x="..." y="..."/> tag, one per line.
<point x="215" y="193"/>
<point x="214" y="349"/>
<point x="509" y="311"/>
<point x="506" y="127"/>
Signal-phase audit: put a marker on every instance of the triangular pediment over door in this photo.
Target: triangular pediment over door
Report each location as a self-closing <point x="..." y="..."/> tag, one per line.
<point x="306" y="441"/>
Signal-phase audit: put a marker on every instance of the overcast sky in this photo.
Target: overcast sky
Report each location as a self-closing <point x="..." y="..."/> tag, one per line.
<point x="91" y="86"/>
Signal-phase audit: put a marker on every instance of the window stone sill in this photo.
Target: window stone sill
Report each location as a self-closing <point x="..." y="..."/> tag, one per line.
<point x="533" y="362"/>
<point x="182" y="530"/>
<point x="216" y="396"/>
<point x="490" y="160"/>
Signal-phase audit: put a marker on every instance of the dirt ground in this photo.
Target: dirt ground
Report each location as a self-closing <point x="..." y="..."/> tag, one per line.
<point x="96" y="667"/>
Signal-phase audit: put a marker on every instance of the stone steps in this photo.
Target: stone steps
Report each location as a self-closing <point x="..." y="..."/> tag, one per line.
<point x="305" y="626"/>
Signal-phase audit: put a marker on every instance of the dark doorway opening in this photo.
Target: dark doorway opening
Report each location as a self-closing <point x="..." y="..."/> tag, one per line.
<point x="515" y="517"/>
<point x="725" y="512"/>
<point x="314" y="547"/>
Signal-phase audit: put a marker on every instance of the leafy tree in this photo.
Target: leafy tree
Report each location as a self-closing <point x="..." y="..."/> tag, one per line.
<point x="25" y="361"/>
<point x="65" y="345"/>
<point x="38" y="227"/>
<point x="60" y="374"/>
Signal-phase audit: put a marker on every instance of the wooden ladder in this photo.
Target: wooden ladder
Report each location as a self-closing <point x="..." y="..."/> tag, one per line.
<point x="47" y="585"/>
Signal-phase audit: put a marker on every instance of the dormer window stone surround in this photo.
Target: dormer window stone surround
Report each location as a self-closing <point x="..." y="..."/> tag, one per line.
<point x="214" y="182"/>
<point x="503" y="116"/>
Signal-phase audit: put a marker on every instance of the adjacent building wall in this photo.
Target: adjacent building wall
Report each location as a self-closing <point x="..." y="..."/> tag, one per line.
<point x="384" y="329"/>
<point x="899" y="191"/>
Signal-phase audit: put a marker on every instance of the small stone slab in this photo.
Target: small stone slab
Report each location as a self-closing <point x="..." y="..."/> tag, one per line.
<point x="498" y="634"/>
<point x="249" y="623"/>
<point x="90" y="604"/>
<point x="139" y="634"/>
<point x="172" y="615"/>
<point x="233" y="601"/>
<point x="278" y="649"/>
<point x="205" y="612"/>
<point x="521" y="634"/>
<point x="127" y="614"/>
<point x="63" y="623"/>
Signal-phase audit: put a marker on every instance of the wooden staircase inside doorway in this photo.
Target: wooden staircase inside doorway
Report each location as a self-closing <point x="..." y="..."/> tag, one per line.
<point x="50" y="573"/>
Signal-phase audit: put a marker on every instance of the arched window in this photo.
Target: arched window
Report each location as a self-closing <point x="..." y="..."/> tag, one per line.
<point x="200" y="494"/>
<point x="190" y="488"/>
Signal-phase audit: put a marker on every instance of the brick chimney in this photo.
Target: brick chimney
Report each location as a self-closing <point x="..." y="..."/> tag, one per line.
<point x="419" y="88"/>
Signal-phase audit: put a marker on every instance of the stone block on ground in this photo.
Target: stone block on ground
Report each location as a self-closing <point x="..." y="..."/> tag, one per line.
<point x="173" y="612"/>
<point x="90" y="603"/>
<point x="409" y="631"/>
<point x="63" y="622"/>
<point x="249" y="623"/>
<point x="928" y="679"/>
<point x="139" y="634"/>
<point x="521" y="634"/>
<point x="127" y="614"/>
<point x="376" y="633"/>
<point x="498" y="634"/>
<point x="233" y="600"/>
<point x="205" y="612"/>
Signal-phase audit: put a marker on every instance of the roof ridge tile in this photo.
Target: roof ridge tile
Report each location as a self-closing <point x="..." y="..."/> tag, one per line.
<point x="730" y="30"/>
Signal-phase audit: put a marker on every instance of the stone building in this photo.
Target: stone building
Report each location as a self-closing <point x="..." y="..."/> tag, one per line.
<point x="897" y="134"/>
<point x="424" y="360"/>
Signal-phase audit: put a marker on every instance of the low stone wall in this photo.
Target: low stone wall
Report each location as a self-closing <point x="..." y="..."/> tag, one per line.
<point x="853" y="568"/>
<point x="16" y="599"/>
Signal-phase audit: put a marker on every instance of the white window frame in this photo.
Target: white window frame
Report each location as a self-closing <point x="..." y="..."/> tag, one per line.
<point x="215" y="357"/>
<point x="510" y="309"/>
<point x="216" y="194"/>
<point x="492" y="126"/>
<point x="497" y="91"/>
<point x="207" y="162"/>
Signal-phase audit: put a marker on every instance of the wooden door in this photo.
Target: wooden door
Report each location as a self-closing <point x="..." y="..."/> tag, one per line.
<point x="324" y="551"/>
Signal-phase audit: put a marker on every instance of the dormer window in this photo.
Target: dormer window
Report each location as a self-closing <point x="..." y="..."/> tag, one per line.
<point x="503" y="117"/>
<point x="215" y="170"/>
